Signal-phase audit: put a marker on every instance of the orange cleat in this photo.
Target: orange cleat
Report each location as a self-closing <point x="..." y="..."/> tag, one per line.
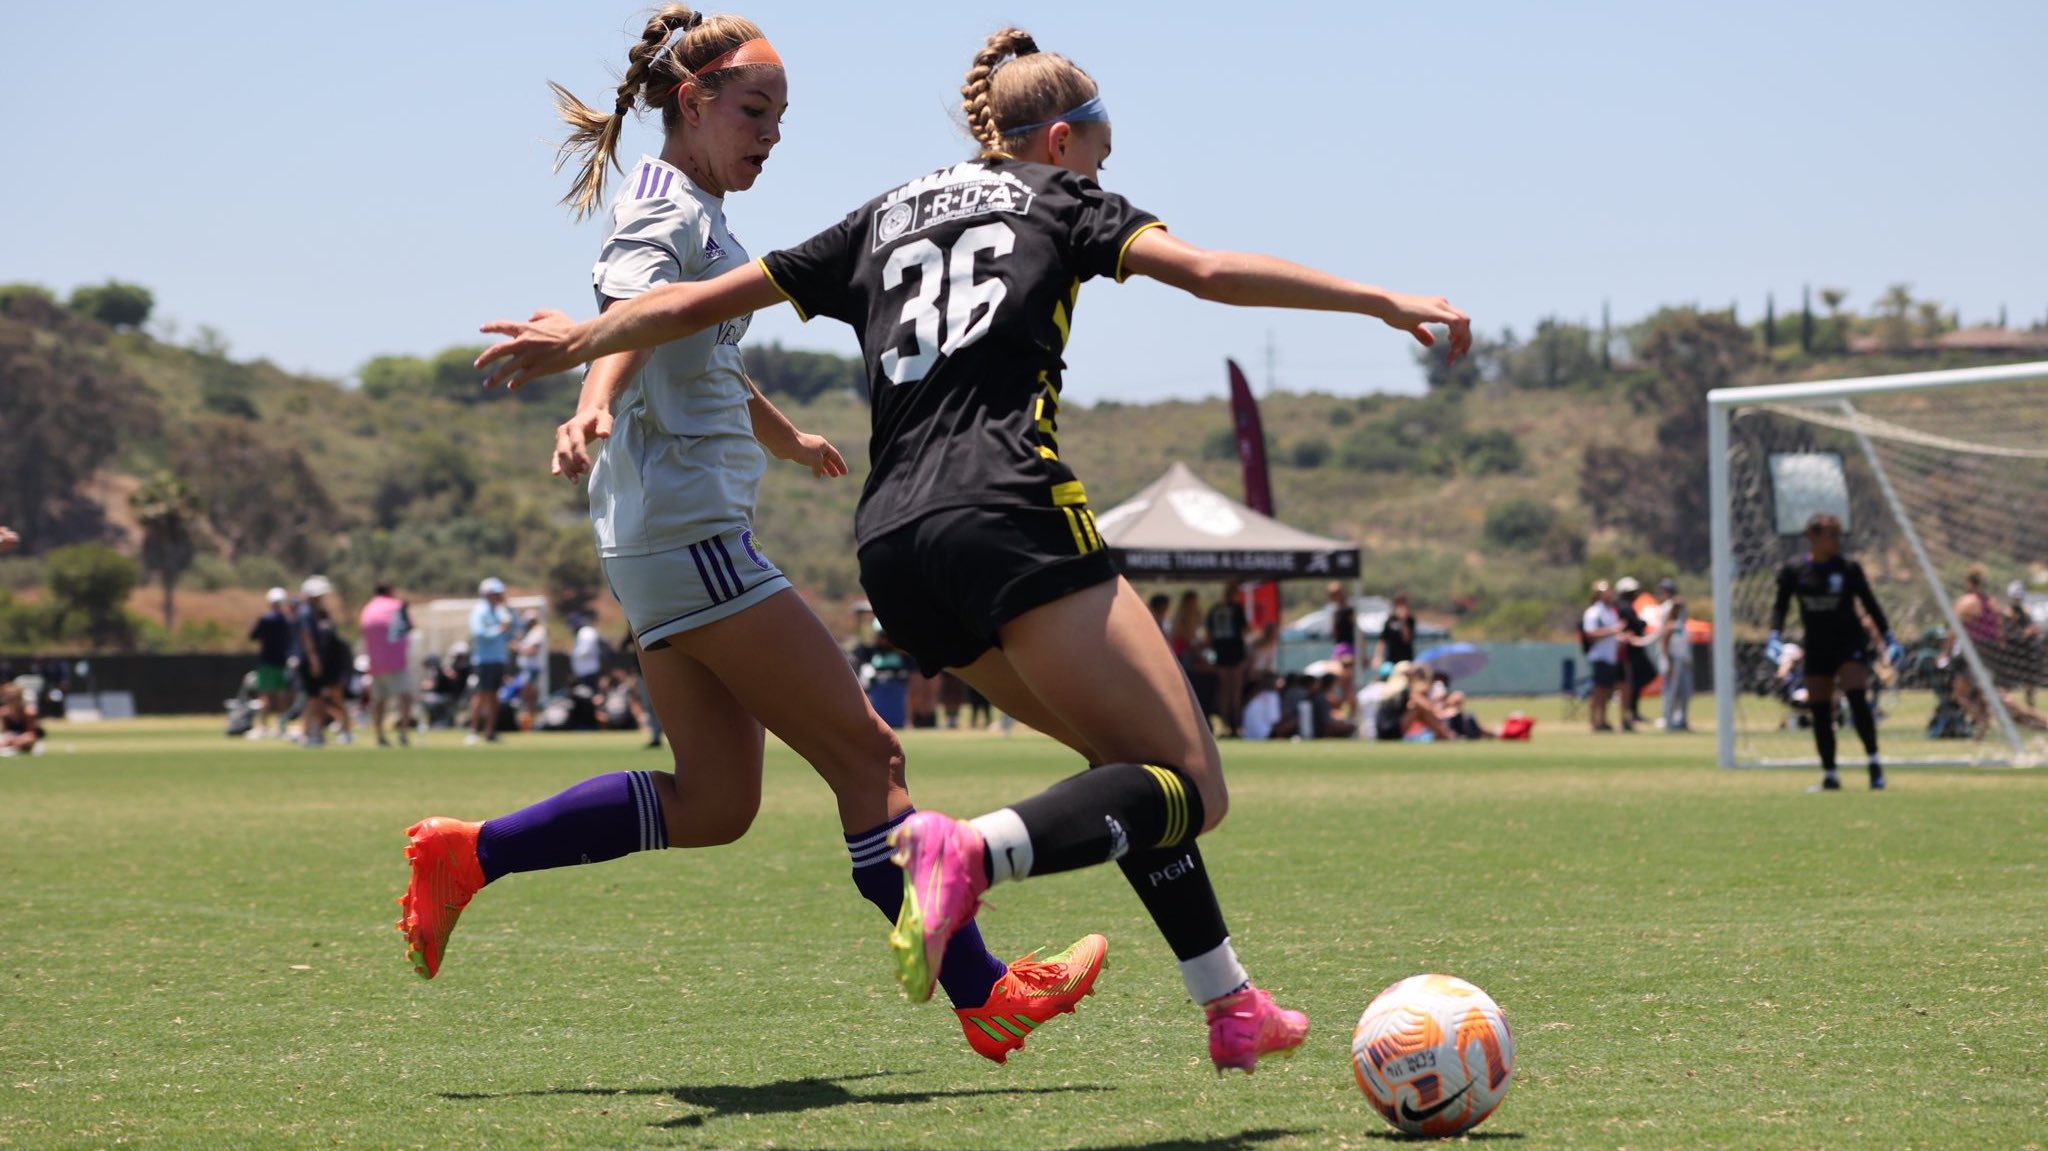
<point x="1033" y="993"/>
<point x="445" y="874"/>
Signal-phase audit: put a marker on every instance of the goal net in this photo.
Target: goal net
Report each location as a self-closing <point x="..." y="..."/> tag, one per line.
<point x="1934" y="475"/>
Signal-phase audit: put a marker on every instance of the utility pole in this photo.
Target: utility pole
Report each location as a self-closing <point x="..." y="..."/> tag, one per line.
<point x="1272" y="378"/>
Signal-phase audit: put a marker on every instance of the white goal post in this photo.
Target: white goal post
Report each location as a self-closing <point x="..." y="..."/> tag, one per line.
<point x="1935" y="475"/>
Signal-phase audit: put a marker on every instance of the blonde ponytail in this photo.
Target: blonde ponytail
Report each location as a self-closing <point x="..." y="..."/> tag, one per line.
<point x="655" y="69"/>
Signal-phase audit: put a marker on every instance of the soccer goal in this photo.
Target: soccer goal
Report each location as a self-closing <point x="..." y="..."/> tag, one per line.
<point x="1931" y="473"/>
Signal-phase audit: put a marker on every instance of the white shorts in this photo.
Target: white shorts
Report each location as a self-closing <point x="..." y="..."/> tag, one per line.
<point x="702" y="583"/>
<point x="391" y="686"/>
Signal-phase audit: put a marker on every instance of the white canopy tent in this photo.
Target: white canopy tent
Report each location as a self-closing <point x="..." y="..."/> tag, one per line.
<point x="1181" y="528"/>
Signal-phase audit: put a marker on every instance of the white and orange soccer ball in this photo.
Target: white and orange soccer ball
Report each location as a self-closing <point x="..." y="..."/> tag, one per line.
<point x="1434" y="1055"/>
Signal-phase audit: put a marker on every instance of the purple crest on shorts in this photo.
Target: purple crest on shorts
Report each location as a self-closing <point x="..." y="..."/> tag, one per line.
<point x="754" y="553"/>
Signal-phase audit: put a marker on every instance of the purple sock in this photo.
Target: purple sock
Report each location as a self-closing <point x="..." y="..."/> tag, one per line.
<point x="601" y="818"/>
<point x="968" y="972"/>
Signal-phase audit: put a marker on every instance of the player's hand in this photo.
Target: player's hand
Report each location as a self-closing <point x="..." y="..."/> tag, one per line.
<point x="574" y="437"/>
<point x="542" y="346"/>
<point x="1894" y="651"/>
<point x="816" y="453"/>
<point x="8" y="540"/>
<point x="1774" y="648"/>
<point x="1412" y="314"/>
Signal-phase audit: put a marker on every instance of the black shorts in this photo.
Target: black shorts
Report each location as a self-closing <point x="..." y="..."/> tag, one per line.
<point x="330" y="676"/>
<point x="944" y="586"/>
<point x="1606" y="674"/>
<point x="1827" y="659"/>
<point x="489" y="677"/>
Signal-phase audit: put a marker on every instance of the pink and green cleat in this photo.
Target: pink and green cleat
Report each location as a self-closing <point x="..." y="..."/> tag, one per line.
<point x="445" y="874"/>
<point x="1032" y="993"/>
<point x="944" y="874"/>
<point x="1247" y="1025"/>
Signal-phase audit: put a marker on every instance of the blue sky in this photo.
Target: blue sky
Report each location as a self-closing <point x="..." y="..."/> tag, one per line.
<point x="325" y="184"/>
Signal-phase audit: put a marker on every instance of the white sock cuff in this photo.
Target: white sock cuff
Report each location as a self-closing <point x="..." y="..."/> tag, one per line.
<point x="1214" y="973"/>
<point x="1009" y="845"/>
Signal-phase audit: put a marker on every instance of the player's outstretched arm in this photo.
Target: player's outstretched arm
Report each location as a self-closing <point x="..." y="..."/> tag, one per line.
<point x="550" y="342"/>
<point x="1250" y="280"/>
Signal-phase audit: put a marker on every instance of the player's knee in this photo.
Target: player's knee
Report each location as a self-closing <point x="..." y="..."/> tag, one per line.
<point x="707" y="811"/>
<point x="866" y="759"/>
<point x="715" y="824"/>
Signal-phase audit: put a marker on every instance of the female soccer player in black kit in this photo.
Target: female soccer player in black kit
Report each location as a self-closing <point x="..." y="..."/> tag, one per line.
<point x="1829" y="586"/>
<point x="977" y="546"/>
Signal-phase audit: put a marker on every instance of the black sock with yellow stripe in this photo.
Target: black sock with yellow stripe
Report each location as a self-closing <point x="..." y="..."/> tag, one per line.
<point x="1105" y="813"/>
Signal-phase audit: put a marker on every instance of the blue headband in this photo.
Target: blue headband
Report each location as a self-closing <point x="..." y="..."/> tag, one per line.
<point x="1091" y="112"/>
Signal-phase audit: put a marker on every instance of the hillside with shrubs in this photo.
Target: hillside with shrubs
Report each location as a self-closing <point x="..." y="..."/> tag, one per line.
<point x="146" y="471"/>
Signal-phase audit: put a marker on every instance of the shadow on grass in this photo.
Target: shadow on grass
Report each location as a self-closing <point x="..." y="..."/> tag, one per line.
<point x="783" y="1098"/>
<point x="1467" y="1137"/>
<point x="1242" y="1141"/>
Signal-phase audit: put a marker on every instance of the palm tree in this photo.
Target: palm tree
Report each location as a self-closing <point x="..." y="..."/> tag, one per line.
<point x="1838" y="331"/>
<point x="1894" y="309"/>
<point x="1932" y="322"/>
<point x="167" y="511"/>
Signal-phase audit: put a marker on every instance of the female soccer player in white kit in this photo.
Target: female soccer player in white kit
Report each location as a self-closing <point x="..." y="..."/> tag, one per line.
<point x="726" y="644"/>
<point x="977" y="546"/>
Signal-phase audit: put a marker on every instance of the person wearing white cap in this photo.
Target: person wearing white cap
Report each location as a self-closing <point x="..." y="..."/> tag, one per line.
<point x="490" y="632"/>
<point x="272" y="635"/>
<point x="1637" y="669"/>
<point x="323" y="664"/>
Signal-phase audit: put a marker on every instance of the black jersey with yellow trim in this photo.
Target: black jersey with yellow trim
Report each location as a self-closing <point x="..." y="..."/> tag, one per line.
<point x="962" y="286"/>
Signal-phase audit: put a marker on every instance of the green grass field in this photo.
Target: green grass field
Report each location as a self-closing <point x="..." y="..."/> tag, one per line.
<point x="196" y="951"/>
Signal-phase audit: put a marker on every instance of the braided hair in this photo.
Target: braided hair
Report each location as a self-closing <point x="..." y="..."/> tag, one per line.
<point x="657" y="66"/>
<point x="1011" y="82"/>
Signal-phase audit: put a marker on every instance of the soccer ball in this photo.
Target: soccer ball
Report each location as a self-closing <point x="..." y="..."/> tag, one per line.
<point x="1434" y="1055"/>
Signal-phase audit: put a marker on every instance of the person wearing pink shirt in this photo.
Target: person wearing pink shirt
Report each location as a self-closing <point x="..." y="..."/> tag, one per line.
<point x="386" y="629"/>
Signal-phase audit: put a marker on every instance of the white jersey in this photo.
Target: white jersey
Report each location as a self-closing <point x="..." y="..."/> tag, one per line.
<point x="682" y="464"/>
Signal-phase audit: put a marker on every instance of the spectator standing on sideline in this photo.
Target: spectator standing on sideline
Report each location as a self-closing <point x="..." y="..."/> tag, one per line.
<point x="1185" y="634"/>
<point x="387" y="634"/>
<point x="1159" y="605"/>
<point x="1344" y="642"/>
<point x="586" y="653"/>
<point x="324" y="665"/>
<point x="1397" y="636"/>
<point x="1226" y="627"/>
<point x="533" y="663"/>
<point x="1600" y="626"/>
<point x="272" y="634"/>
<point x="490" y="641"/>
<point x="1675" y="646"/>
<point x="1637" y="669"/>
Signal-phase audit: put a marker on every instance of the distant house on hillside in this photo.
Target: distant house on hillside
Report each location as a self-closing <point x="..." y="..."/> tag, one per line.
<point x="1985" y="340"/>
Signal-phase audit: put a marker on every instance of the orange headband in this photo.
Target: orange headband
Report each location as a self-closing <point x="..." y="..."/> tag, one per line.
<point x="746" y="54"/>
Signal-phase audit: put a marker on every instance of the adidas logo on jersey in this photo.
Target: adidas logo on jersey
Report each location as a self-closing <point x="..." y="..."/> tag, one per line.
<point x="713" y="251"/>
